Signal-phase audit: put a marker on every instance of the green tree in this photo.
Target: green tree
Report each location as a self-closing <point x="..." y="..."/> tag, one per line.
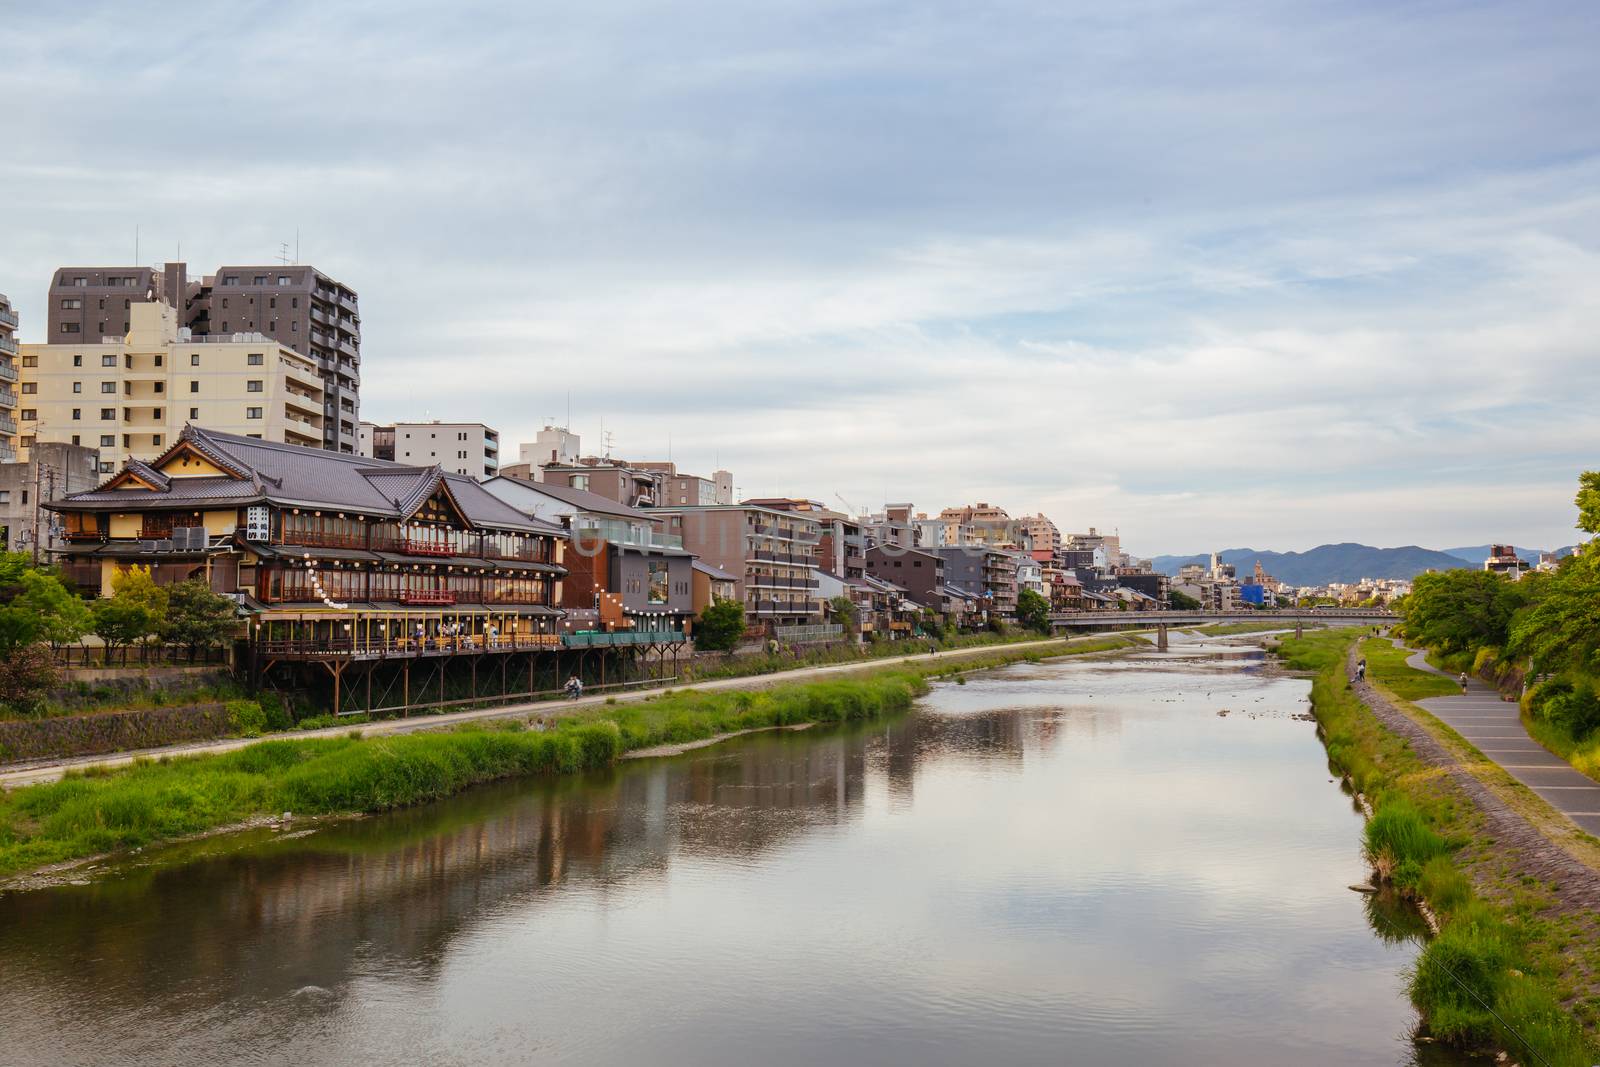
<point x="63" y="617"/>
<point x="1033" y="611"/>
<point x="844" y="609"/>
<point x="121" y="621"/>
<point x="1588" y="501"/>
<point x="19" y="628"/>
<point x="1181" y="601"/>
<point x="196" y="617"/>
<point x="135" y="585"/>
<point x="1463" y="610"/>
<point x="720" y="627"/>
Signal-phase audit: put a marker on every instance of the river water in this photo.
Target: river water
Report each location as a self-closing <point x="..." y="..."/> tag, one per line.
<point x="1079" y="862"/>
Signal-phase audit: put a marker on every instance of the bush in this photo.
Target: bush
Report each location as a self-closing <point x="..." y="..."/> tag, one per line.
<point x="247" y="717"/>
<point x="26" y="675"/>
<point x="277" y="716"/>
<point x="1577" y="710"/>
<point x="1457" y="976"/>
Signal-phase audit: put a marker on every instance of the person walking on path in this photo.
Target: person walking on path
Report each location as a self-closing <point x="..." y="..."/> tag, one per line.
<point x="1463" y="681"/>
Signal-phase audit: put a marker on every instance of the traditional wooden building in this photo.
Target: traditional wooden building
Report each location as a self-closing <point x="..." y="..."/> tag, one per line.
<point x="333" y="558"/>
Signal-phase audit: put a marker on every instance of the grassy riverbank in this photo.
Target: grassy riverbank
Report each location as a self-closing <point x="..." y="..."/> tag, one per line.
<point x="88" y="813"/>
<point x="1505" y="969"/>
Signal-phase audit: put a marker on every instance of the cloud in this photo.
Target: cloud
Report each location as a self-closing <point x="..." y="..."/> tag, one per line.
<point x="1211" y="275"/>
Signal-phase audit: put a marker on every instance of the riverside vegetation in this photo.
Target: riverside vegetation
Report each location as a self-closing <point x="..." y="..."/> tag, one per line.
<point x="1503" y="969"/>
<point x="97" y="811"/>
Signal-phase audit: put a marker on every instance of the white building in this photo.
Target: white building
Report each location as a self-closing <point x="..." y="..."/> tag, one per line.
<point x="469" y="448"/>
<point x="553" y="444"/>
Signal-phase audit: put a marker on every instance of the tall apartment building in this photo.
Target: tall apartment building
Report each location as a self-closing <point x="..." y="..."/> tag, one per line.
<point x="841" y="541"/>
<point x="132" y="395"/>
<point x="469" y="448"/>
<point x="1043" y="535"/>
<point x="8" y="377"/>
<point x="297" y="306"/>
<point x="769" y="552"/>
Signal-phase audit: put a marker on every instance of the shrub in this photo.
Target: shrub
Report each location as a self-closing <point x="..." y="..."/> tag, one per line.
<point x="1458" y="975"/>
<point x="26" y="675"/>
<point x="247" y="717"/>
<point x="1576" y="710"/>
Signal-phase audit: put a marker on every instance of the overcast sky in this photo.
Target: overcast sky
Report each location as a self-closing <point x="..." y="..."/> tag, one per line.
<point x="1214" y="275"/>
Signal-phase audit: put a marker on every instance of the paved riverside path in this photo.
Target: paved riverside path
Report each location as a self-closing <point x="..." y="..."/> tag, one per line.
<point x="37" y="771"/>
<point x="1494" y="725"/>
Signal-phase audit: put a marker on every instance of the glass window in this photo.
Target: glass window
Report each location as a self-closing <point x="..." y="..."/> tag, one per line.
<point x="252" y="413"/>
<point x="77" y="413"/>
<point x="107" y="441"/>
<point x="194" y="359"/>
<point x="255" y="359"/>
<point x="108" y="387"/>
<point x="194" y="387"/>
<point x="108" y="360"/>
<point x="71" y="327"/>
<point x="77" y="387"/>
<point x="253" y="386"/>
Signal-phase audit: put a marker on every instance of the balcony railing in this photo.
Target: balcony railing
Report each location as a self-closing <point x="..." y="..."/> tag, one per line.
<point x="800" y="635"/>
<point x="8" y="371"/>
<point x="624" y="637"/>
<point x="8" y="317"/>
<point x="8" y="344"/>
<point x="427" y="596"/>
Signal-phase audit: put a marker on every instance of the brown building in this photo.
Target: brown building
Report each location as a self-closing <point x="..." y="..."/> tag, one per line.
<point x="297" y="306"/>
<point x="640" y="485"/>
<point x="770" y="553"/>
<point x="920" y="574"/>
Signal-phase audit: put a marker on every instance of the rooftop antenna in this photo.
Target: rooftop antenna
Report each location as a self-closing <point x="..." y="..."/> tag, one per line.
<point x="605" y="437"/>
<point x="283" y="252"/>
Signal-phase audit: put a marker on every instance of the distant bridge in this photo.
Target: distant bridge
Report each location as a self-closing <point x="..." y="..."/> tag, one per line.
<point x="1161" y="620"/>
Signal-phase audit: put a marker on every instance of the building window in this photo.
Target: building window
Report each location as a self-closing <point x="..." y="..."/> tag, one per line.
<point x="252" y="413"/>
<point x="127" y="440"/>
<point x="230" y="279"/>
<point x="294" y="327"/>
<point x="29" y="415"/>
<point x="283" y="279"/>
<point x="77" y="413"/>
<point x="194" y="413"/>
<point x="30" y="361"/>
<point x="272" y="301"/>
<point x="194" y="387"/>
<point x="158" y="359"/>
<point x="71" y="327"/>
<point x="76" y="439"/>
<point x="30" y="387"/>
<point x="253" y="385"/>
<point x="77" y="387"/>
<point x="194" y="359"/>
<point x="294" y="301"/>
<point x="108" y="387"/>
<point x="160" y="387"/>
<point x="224" y="325"/>
<point x="77" y="359"/>
<point x="108" y="360"/>
<point x="107" y="441"/>
<point x="155" y="439"/>
<point x="255" y="359"/>
<point x="261" y="279"/>
<point x="158" y="413"/>
<point x="5" y="496"/>
<point x="107" y="414"/>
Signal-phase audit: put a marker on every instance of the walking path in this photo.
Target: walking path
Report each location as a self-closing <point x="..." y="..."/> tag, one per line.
<point x="1494" y="725"/>
<point x="49" y="770"/>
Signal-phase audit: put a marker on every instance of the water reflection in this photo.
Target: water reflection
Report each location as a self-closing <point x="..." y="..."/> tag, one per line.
<point x="1056" y="863"/>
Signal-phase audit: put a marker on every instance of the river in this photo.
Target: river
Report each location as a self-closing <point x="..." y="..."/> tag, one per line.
<point x="1082" y="861"/>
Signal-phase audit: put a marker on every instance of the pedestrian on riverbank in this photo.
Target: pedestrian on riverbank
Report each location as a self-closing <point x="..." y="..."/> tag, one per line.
<point x="1463" y="681"/>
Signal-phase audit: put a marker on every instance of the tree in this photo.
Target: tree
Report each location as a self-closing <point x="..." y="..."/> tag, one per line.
<point x="1463" y="610"/>
<point x="1588" y="501"/>
<point x="19" y="628"/>
<point x="1181" y="601"/>
<point x="26" y="674"/>
<point x="1033" y="611"/>
<point x="63" y="617"/>
<point x="844" y="609"/>
<point x="720" y="627"/>
<point x="122" y="621"/>
<point x="196" y="617"/>
<point x="137" y="586"/>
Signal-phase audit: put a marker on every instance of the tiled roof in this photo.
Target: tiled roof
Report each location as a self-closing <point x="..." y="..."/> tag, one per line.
<point x="311" y="477"/>
<point x="581" y="499"/>
<point x="715" y="572"/>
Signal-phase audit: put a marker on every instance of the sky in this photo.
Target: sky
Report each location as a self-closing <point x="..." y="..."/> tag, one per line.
<point x="1210" y="274"/>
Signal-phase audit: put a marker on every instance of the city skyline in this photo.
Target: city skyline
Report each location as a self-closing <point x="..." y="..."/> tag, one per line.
<point x="1278" y="278"/>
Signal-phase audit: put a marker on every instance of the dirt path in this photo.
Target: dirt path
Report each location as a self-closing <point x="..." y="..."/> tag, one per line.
<point x="36" y="772"/>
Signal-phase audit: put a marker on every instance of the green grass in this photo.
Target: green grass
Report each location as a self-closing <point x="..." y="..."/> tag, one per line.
<point x="1224" y="629"/>
<point x="1386" y="664"/>
<point x="1506" y="956"/>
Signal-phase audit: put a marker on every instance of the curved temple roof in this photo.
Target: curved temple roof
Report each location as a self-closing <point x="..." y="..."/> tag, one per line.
<point x="256" y="471"/>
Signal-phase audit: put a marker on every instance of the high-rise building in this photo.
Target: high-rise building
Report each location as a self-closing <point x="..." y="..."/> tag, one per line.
<point x="8" y="377"/>
<point x="1043" y="535"/>
<point x="132" y="395"/>
<point x="469" y="448"/>
<point x="297" y="306"/>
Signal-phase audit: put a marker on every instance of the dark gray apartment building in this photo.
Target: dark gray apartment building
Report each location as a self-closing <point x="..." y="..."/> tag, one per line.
<point x="297" y="306"/>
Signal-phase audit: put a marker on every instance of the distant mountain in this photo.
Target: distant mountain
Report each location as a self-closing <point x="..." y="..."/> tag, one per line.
<point x="1347" y="562"/>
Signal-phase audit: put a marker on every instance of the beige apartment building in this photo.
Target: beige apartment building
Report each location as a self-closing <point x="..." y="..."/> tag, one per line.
<point x="130" y="396"/>
<point x="8" y="378"/>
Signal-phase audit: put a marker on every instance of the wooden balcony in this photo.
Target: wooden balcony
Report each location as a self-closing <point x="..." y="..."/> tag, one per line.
<point x="427" y="596"/>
